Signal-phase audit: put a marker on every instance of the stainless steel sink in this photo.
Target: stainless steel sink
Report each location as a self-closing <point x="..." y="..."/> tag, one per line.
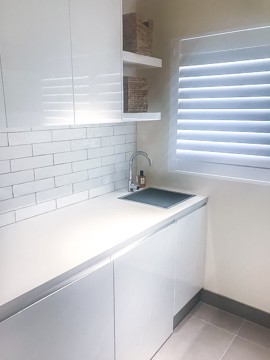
<point x="157" y="197"/>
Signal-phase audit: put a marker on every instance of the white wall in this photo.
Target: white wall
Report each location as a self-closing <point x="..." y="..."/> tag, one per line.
<point x="238" y="248"/>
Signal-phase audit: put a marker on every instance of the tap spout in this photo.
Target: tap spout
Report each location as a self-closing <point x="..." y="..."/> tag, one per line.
<point x="131" y="185"/>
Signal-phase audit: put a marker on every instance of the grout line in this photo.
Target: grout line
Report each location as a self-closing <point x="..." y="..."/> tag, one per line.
<point x="228" y="347"/>
<point x="254" y="343"/>
<point x="207" y="322"/>
<point x="243" y="322"/>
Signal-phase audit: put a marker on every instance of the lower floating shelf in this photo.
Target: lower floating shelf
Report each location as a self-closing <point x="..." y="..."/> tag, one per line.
<point x="141" y="116"/>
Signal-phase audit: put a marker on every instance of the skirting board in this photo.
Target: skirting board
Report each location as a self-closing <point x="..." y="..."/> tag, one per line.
<point x="186" y="309"/>
<point x="247" y="312"/>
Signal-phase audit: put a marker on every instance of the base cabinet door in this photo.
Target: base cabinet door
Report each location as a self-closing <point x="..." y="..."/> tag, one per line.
<point x="74" y="323"/>
<point x="144" y="297"/>
<point x="189" y="257"/>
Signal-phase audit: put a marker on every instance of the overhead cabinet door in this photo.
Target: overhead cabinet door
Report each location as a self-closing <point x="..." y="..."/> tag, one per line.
<point x="3" y="123"/>
<point x="36" y="62"/>
<point x="96" y="55"/>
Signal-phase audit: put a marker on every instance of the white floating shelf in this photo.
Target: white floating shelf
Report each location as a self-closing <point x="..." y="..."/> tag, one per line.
<point x="141" y="60"/>
<point x="126" y="117"/>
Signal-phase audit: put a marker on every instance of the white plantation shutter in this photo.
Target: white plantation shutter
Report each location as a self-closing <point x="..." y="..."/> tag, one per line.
<point x="222" y="101"/>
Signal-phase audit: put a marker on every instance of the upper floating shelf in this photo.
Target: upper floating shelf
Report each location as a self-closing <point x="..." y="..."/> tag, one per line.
<point x="141" y="60"/>
<point x="126" y="117"/>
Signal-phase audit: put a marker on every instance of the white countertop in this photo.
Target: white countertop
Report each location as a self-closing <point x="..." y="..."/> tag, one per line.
<point x="37" y="250"/>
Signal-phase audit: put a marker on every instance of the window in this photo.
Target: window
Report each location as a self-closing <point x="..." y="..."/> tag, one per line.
<point x="220" y="123"/>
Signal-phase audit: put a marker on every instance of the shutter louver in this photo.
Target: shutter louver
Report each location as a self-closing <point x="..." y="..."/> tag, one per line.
<point x="223" y="124"/>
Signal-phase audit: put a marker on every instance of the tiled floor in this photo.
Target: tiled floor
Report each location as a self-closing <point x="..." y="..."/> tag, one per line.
<point x="212" y="334"/>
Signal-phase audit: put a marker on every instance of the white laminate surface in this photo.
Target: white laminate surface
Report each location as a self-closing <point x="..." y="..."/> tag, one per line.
<point x="3" y="123"/>
<point x="36" y="62"/>
<point x="39" y="249"/>
<point x="144" y="292"/>
<point x="96" y="59"/>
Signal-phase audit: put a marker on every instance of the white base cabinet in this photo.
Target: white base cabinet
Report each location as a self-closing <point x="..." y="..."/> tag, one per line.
<point x="122" y="311"/>
<point x="144" y="297"/>
<point x="77" y="322"/>
<point x="189" y="257"/>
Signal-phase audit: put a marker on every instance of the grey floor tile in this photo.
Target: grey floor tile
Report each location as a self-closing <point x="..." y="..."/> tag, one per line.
<point x="220" y="318"/>
<point x="195" y="340"/>
<point x="242" y="349"/>
<point x="255" y="333"/>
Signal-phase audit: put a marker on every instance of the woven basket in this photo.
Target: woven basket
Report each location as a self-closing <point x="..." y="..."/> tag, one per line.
<point x="137" y="34"/>
<point x="135" y="94"/>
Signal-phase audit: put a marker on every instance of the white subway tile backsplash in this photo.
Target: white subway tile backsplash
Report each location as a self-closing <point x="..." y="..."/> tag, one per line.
<point x="15" y="152"/>
<point x="125" y="129"/>
<point x="131" y="147"/>
<point x="113" y="140"/>
<point x="51" y="171"/>
<point x="101" y="190"/>
<point x="71" y="178"/>
<point x="72" y="199"/>
<point x="86" y="164"/>
<point x="4" y="166"/>
<point x="100" y="131"/>
<point x="31" y="162"/>
<point x="16" y="203"/>
<point x="122" y="166"/>
<point x="70" y="156"/>
<point x="42" y="169"/>
<point x="69" y="134"/>
<point x="87" y="185"/>
<point x="7" y="218"/>
<point x="3" y="139"/>
<point x="6" y="193"/>
<point x="16" y="178"/>
<point x="131" y="138"/>
<point x="33" y="187"/>
<point x="84" y="144"/>
<point x="107" y="179"/>
<point x="121" y="184"/>
<point x="101" y="171"/>
<point x="99" y="152"/>
<point x="114" y="159"/>
<point x="51" y="148"/>
<point x="35" y="210"/>
<point x="29" y="137"/>
<point x="53" y="193"/>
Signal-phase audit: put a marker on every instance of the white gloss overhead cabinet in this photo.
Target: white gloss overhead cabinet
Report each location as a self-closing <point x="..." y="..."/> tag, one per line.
<point x="96" y="56"/>
<point x="144" y="297"/>
<point x="36" y="62"/>
<point x="75" y="322"/>
<point x="3" y="123"/>
<point x="189" y="257"/>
